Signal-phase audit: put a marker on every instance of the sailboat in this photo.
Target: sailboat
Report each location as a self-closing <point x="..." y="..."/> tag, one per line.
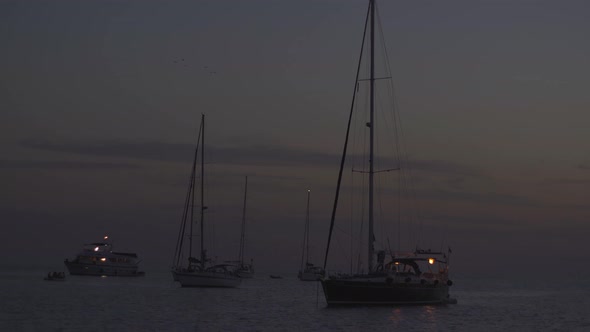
<point x="202" y="271"/>
<point x="245" y="270"/>
<point x="415" y="277"/>
<point x="308" y="271"/>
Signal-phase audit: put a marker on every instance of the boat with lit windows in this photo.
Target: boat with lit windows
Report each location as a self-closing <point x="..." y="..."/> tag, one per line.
<point x="420" y="277"/>
<point x="99" y="259"/>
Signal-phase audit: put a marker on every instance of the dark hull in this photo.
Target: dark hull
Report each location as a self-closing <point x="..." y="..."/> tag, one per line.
<point x="81" y="269"/>
<point x="206" y="279"/>
<point x="348" y="291"/>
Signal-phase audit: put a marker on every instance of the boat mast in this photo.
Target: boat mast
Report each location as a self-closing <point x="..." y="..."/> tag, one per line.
<point x="307" y="229"/>
<point x="371" y="134"/>
<point x="242" y="239"/>
<point x="202" y="189"/>
<point x="192" y="207"/>
<point x="345" y="147"/>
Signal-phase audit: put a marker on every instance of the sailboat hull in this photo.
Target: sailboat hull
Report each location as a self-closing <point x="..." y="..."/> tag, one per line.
<point x="377" y="291"/>
<point x="206" y="279"/>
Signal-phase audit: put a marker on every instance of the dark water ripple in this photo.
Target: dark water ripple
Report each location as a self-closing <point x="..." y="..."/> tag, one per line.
<point x="155" y="303"/>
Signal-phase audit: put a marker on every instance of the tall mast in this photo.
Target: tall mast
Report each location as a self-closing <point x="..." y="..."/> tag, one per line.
<point x="307" y="229"/>
<point x="371" y="133"/>
<point x="242" y="239"/>
<point x="202" y="190"/>
<point x="345" y="147"/>
<point x="191" y="201"/>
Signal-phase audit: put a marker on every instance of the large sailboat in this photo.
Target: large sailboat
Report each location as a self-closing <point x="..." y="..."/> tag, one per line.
<point x="245" y="270"/>
<point x="308" y="271"/>
<point x="202" y="271"/>
<point x="396" y="278"/>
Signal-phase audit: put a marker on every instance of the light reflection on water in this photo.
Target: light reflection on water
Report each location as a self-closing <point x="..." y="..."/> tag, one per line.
<point x="155" y="303"/>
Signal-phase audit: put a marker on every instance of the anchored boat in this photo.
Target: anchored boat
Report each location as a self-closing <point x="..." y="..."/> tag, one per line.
<point x="415" y="277"/>
<point x="99" y="259"/>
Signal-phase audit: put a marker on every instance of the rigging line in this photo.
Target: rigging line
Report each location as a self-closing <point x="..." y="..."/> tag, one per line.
<point x="408" y="186"/>
<point x="243" y="233"/>
<point x="202" y="253"/>
<point x="363" y="180"/>
<point x="180" y="239"/>
<point x="363" y="207"/>
<point x="303" y="246"/>
<point x="357" y="135"/>
<point x="192" y="193"/>
<point x="187" y="201"/>
<point x="192" y="210"/>
<point x="345" y="146"/>
<point x="351" y="216"/>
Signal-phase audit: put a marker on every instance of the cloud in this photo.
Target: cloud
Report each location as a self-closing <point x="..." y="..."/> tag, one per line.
<point x="30" y="164"/>
<point x="256" y="155"/>
<point x="147" y="150"/>
<point x="441" y="166"/>
<point x="488" y="197"/>
<point x="538" y="80"/>
<point x="473" y="221"/>
<point x="177" y="152"/>
<point x="564" y="181"/>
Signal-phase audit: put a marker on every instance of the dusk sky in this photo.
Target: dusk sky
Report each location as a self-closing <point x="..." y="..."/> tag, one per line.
<point x="100" y="103"/>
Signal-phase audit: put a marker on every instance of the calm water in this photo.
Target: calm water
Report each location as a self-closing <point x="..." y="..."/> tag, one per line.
<point x="155" y="303"/>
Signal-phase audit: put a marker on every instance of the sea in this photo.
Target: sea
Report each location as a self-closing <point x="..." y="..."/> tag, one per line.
<point x="155" y="303"/>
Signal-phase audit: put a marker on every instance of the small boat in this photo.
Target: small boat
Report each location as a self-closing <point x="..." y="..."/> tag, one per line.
<point x="416" y="277"/>
<point x="202" y="271"/>
<point x="245" y="270"/>
<point x="99" y="259"/>
<point x="55" y="276"/>
<point x="308" y="271"/>
<point x="274" y="276"/>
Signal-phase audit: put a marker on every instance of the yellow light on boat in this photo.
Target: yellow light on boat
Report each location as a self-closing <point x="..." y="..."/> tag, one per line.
<point x="106" y="237"/>
<point x="431" y="261"/>
<point x="396" y="263"/>
<point x="103" y="259"/>
<point x="95" y="248"/>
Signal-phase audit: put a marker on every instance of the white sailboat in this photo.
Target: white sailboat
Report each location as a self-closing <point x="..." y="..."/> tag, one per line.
<point x="202" y="271"/>
<point x="418" y="277"/>
<point x="308" y="271"/>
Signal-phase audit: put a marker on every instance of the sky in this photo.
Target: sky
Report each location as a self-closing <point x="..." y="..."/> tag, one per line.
<point x="100" y="103"/>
